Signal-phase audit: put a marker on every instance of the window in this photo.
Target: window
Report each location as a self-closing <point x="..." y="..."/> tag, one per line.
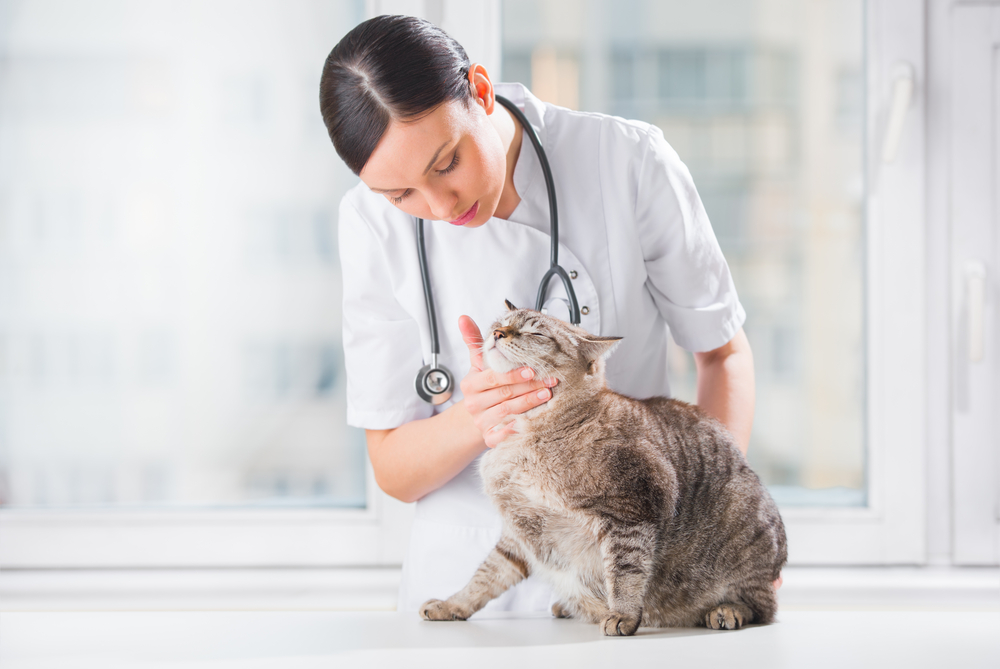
<point x="780" y="116"/>
<point x="170" y="357"/>
<point x="771" y="113"/>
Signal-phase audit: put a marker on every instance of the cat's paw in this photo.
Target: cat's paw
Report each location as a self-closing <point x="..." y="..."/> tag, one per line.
<point x="726" y="617"/>
<point x="621" y="624"/>
<point x="435" y="609"/>
<point x="560" y="611"/>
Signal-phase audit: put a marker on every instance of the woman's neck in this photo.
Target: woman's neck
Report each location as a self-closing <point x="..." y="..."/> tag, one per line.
<point x="510" y="134"/>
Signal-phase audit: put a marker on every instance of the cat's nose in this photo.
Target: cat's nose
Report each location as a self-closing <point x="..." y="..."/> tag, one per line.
<point x="498" y="334"/>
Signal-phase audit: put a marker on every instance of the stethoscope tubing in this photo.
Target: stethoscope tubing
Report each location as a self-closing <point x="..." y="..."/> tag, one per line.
<point x="550" y="187"/>
<point x="546" y="172"/>
<point x="428" y="296"/>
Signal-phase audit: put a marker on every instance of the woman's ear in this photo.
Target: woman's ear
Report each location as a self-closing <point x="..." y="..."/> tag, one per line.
<point x="483" y="87"/>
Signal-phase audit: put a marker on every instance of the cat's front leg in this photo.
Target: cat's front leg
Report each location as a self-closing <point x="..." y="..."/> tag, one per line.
<point x="627" y="553"/>
<point x="503" y="568"/>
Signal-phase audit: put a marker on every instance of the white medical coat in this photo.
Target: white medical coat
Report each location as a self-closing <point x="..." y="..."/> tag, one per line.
<point x="631" y="227"/>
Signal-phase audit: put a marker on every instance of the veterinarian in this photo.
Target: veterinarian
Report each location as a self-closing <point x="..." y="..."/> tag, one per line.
<point x="421" y="126"/>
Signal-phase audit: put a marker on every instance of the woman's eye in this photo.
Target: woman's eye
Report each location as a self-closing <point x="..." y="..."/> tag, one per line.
<point x="397" y="200"/>
<point x="450" y="168"/>
<point x="447" y="170"/>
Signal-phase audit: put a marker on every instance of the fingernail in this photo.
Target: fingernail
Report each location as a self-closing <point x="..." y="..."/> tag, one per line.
<point x="527" y="373"/>
<point x="551" y="382"/>
<point x="543" y="394"/>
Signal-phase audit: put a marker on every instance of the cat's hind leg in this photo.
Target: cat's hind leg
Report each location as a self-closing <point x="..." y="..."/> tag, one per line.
<point x="728" y="617"/>
<point x="503" y="568"/>
<point x="748" y="604"/>
<point x="762" y="599"/>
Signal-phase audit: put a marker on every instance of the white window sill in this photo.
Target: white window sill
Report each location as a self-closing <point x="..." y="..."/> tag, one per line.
<point x="346" y="589"/>
<point x="374" y="589"/>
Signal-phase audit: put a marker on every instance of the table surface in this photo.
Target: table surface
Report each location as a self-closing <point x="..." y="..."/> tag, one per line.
<point x="307" y="639"/>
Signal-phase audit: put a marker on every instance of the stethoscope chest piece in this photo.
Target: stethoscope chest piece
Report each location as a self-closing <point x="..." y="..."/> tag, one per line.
<point x="434" y="382"/>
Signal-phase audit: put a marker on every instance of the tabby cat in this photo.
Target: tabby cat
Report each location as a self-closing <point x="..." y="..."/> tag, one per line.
<point x="637" y="512"/>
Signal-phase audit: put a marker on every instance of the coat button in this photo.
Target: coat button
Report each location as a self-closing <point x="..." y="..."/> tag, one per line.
<point x="572" y="274"/>
<point x="584" y="310"/>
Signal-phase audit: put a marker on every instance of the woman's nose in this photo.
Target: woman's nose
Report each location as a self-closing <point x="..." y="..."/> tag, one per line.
<point x="442" y="204"/>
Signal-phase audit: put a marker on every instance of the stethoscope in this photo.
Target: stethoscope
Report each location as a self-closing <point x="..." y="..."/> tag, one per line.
<point x="434" y="381"/>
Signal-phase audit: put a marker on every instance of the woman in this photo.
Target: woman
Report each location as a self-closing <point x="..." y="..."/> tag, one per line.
<point x="420" y="125"/>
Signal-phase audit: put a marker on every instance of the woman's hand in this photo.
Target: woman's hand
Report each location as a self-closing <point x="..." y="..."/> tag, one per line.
<point x="492" y="398"/>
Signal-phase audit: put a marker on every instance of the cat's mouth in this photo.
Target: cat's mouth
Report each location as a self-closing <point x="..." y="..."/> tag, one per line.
<point x="497" y="359"/>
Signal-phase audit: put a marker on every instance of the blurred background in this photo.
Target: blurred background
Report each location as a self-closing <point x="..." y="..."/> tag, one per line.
<point x="169" y="282"/>
<point x="169" y="279"/>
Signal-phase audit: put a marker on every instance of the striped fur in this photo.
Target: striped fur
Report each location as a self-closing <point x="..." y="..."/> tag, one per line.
<point x="638" y="512"/>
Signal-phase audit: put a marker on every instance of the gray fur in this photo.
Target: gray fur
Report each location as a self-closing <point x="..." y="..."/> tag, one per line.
<point x="636" y="511"/>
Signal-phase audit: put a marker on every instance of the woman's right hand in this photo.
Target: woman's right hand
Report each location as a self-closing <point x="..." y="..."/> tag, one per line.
<point x="491" y="398"/>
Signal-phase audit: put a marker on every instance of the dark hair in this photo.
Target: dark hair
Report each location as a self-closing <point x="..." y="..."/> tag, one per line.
<point x="389" y="67"/>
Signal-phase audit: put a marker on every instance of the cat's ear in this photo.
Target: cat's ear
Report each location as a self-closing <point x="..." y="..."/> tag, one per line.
<point x="595" y="348"/>
<point x="510" y="307"/>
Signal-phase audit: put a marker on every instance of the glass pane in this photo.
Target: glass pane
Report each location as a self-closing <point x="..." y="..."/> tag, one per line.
<point x="169" y="284"/>
<point x="764" y="101"/>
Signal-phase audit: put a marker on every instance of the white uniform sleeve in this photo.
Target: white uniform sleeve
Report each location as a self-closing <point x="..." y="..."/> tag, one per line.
<point x="687" y="274"/>
<point x="381" y="340"/>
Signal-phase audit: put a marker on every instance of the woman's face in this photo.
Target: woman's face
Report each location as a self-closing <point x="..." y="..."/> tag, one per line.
<point x="449" y="165"/>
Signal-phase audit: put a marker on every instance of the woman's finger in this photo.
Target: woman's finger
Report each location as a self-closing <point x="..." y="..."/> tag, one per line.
<point x="473" y="339"/>
<point x="518" y="405"/>
<point x="496" y="436"/>
<point x="494" y="396"/>
<point x="490" y="378"/>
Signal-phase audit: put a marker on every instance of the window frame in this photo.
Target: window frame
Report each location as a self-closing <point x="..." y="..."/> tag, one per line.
<point x="891" y="530"/>
<point x="973" y="80"/>
<point x="149" y="538"/>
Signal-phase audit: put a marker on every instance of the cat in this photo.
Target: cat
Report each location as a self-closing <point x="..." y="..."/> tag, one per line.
<point x="637" y="512"/>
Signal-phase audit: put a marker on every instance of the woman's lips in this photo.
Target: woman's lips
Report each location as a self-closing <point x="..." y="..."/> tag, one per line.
<point x="467" y="216"/>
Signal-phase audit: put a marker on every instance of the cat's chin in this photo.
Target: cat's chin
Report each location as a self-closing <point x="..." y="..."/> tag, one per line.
<point x="498" y="362"/>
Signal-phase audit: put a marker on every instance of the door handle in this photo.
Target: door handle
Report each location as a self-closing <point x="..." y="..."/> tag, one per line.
<point x="975" y="296"/>
<point x="904" y="81"/>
